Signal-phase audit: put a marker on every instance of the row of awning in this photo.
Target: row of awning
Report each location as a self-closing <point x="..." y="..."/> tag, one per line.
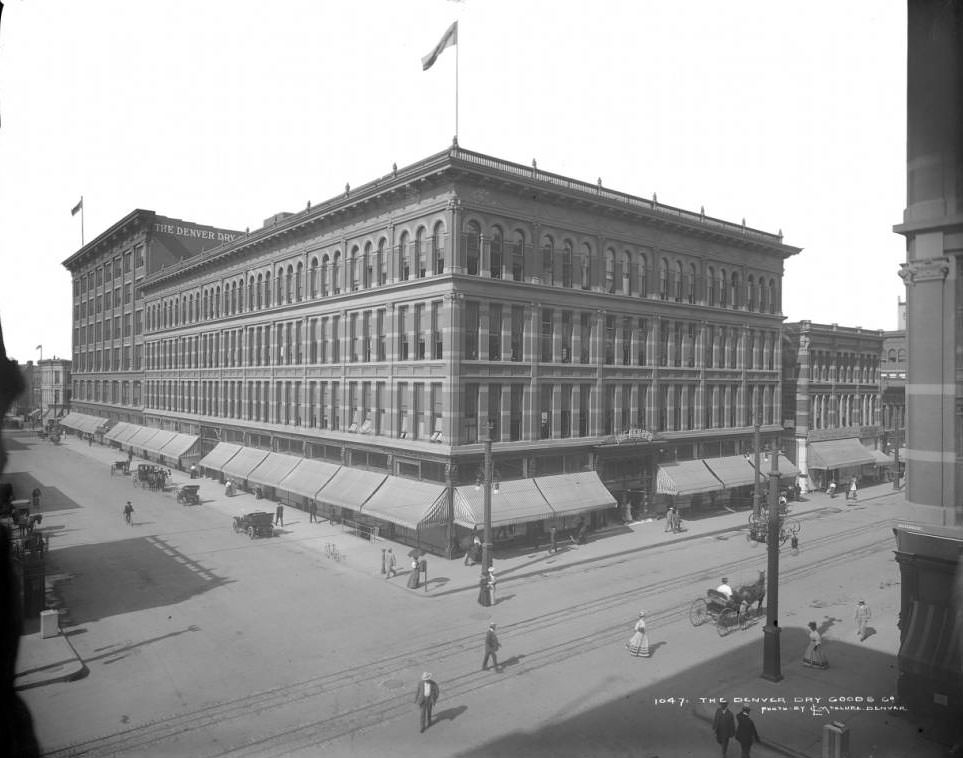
<point x="83" y="422"/>
<point x="410" y="503"/>
<point x="157" y="441"/>
<point x="712" y="474"/>
<point x="846" y="453"/>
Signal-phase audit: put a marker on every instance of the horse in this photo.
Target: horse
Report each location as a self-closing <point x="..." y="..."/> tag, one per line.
<point x="752" y="593"/>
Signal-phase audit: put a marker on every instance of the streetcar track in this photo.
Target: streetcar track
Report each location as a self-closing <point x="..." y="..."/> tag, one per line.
<point x="370" y="714"/>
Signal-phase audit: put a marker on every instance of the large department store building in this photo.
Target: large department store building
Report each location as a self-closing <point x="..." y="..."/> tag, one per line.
<point x="357" y="353"/>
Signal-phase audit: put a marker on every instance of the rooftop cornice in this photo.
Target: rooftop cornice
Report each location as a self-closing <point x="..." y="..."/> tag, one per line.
<point x="466" y="162"/>
<point x="136" y="216"/>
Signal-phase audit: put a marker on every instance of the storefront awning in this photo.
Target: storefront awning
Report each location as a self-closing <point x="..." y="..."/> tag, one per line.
<point x="685" y="478"/>
<point x="140" y="437"/>
<point x="931" y="647"/>
<point x="273" y="469"/>
<point x="244" y="462"/>
<point x="880" y="458"/>
<point x="180" y="445"/>
<point x="835" y="454"/>
<point x="408" y="503"/>
<point x="221" y="454"/>
<point x="732" y="470"/>
<point x="122" y="429"/>
<point x="308" y="477"/>
<point x="575" y="493"/>
<point x="516" y="502"/>
<point x="351" y="487"/>
<point x="157" y="442"/>
<point x="785" y="466"/>
<point x="83" y="422"/>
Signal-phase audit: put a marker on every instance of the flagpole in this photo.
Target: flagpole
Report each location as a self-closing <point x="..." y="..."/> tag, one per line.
<point x="457" y="46"/>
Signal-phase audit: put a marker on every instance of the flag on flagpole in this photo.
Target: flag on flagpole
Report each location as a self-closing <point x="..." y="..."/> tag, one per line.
<point x="76" y="209"/>
<point x="448" y="39"/>
<point x="38" y="347"/>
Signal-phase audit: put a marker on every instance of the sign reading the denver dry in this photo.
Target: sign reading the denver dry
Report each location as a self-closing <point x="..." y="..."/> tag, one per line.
<point x="194" y="232"/>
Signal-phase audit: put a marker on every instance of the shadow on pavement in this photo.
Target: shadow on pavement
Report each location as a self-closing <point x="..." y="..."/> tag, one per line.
<point x="51" y="498"/>
<point x="128" y="575"/>
<point x="449" y="714"/>
<point x="650" y="721"/>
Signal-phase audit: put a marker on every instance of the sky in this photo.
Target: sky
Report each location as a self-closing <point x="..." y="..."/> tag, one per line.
<point x="790" y="115"/>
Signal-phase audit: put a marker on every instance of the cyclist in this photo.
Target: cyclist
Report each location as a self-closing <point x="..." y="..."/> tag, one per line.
<point x="128" y="510"/>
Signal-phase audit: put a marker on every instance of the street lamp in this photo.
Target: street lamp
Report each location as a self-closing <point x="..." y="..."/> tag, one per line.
<point x="771" y="654"/>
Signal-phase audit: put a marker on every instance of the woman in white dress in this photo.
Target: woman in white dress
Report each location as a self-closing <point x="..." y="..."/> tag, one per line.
<point x="814" y="657"/>
<point x="638" y="645"/>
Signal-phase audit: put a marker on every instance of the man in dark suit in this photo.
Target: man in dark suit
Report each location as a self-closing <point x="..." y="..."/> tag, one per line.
<point x="724" y="725"/>
<point x="491" y="648"/>
<point x="425" y="696"/>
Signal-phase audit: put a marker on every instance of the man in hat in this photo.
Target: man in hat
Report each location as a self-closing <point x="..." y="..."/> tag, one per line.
<point x="725" y="589"/>
<point x="425" y="697"/>
<point x="724" y="725"/>
<point x="746" y="732"/>
<point x="863" y="615"/>
<point x="491" y="648"/>
<point x="391" y="564"/>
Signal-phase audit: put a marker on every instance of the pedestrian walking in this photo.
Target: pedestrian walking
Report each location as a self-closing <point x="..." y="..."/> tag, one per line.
<point x="426" y="695"/>
<point x="863" y="615"/>
<point x="414" y="576"/>
<point x="391" y="564"/>
<point x="553" y="540"/>
<point x="491" y="585"/>
<point x="832" y="489"/>
<point x="746" y="733"/>
<point x="313" y="512"/>
<point x="852" y="490"/>
<point x="474" y="547"/>
<point x="638" y="644"/>
<point x="279" y="515"/>
<point x="814" y="657"/>
<point x="723" y="725"/>
<point x="491" y="648"/>
<point x="669" y="519"/>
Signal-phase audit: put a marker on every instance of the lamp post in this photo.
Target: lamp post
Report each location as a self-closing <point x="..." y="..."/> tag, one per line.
<point x="484" y="596"/>
<point x="771" y="654"/>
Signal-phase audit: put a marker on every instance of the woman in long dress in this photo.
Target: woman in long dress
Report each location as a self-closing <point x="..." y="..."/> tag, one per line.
<point x="638" y="645"/>
<point x="814" y="657"/>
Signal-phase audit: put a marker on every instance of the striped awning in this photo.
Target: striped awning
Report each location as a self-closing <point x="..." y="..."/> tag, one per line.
<point x="575" y="493"/>
<point x="83" y="422"/>
<point x="931" y="645"/>
<point x="120" y="431"/>
<point x="881" y="459"/>
<point x="158" y="440"/>
<point x="138" y="438"/>
<point x="408" y="503"/>
<point x="221" y="454"/>
<point x="179" y="445"/>
<point x="308" y="477"/>
<point x="516" y="502"/>
<point x="273" y="469"/>
<point x="836" y="454"/>
<point x="686" y="478"/>
<point x="351" y="487"/>
<point x="785" y="466"/>
<point x="732" y="470"/>
<point x="244" y="462"/>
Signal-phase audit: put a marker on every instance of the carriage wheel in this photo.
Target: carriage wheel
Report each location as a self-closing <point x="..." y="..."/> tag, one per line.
<point x="698" y="612"/>
<point x="783" y="536"/>
<point x="794" y="526"/>
<point x="727" y="621"/>
<point x="251" y="532"/>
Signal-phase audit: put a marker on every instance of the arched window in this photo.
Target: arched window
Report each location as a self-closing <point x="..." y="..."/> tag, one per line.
<point x="233" y="298"/>
<point x="325" y="266"/>
<point x="299" y="282"/>
<point x="643" y="275"/>
<point x="289" y="285"/>
<point x="678" y="283"/>
<point x="626" y="272"/>
<point x="763" y="296"/>
<point x="517" y="262"/>
<point x="382" y="261"/>
<point x="496" y="253"/>
<point x="259" y="292"/>
<point x="711" y="282"/>
<point x="751" y="292"/>
<point x="313" y="278"/>
<point x="473" y="247"/>
<point x="336" y="272"/>
<point x="610" y="270"/>
<point x="586" y="265"/>
<point x="250" y="293"/>
<point x="367" y="267"/>
<point x="664" y="279"/>
<point x="723" y="289"/>
<point x="568" y="276"/>
<point x="774" y="304"/>
<point x="354" y="270"/>
<point x="548" y="260"/>
<point x="735" y="295"/>
<point x="267" y="289"/>
<point x="404" y="262"/>
<point x="217" y="301"/>
<point x="891" y="355"/>
<point x="438" y="249"/>
<point x="418" y="254"/>
<point x="901" y="356"/>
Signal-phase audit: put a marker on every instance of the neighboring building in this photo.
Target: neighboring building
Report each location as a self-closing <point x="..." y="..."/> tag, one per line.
<point x="54" y="387"/>
<point x="933" y="272"/>
<point x="108" y="306"/>
<point x="27" y="401"/>
<point x="893" y="375"/>
<point x="384" y="330"/>
<point x="831" y="399"/>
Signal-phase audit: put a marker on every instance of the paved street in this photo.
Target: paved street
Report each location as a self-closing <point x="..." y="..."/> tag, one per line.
<point x="201" y="642"/>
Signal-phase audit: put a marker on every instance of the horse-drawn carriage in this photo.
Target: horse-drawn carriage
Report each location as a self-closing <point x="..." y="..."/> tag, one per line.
<point x="187" y="494"/>
<point x="255" y="524"/>
<point x="729" y="613"/>
<point x="759" y="526"/>
<point x="120" y="467"/>
<point x="150" y="476"/>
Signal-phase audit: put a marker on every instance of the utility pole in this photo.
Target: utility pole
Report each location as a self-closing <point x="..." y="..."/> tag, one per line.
<point x="756" y="444"/>
<point x="771" y="653"/>
<point x="896" y="435"/>
<point x="484" y="596"/>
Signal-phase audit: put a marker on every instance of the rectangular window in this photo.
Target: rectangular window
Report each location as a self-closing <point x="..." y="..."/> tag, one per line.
<point x="585" y="327"/>
<point x="403" y="338"/>
<point x="515" y="412"/>
<point x="438" y="254"/>
<point x="609" y="342"/>
<point x="382" y="350"/>
<point x="470" y="416"/>
<point x="436" y="344"/>
<point x="335" y="339"/>
<point x="545" y="416"/>
<point x="518" y="332"/>
<point x="566" y="419"/>
<point x="472" y="254"/>
<point x="494" y="332"/>
<point x="471" y="330"/>
<point x="518" y="262"/>
<point x="353" y="337"/>
<point x="548" y="333"/>
<point x="366" y="337"/>
<point x="420" y="334"/>
<point x="626" y="341"/>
